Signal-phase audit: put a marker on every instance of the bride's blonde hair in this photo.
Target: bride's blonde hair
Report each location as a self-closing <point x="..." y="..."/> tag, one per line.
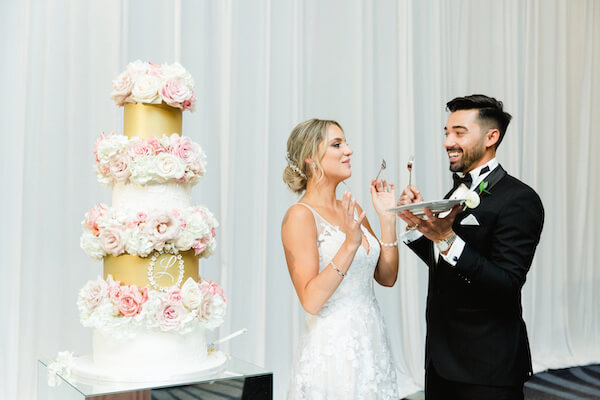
<point x="303" y="144"/>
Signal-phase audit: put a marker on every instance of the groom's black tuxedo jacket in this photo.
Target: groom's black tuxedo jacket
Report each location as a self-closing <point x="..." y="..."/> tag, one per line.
<point x="475" y="330"/>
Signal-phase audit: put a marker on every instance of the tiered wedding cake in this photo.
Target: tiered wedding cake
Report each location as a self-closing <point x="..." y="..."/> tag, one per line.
<point x="150" y="309"/>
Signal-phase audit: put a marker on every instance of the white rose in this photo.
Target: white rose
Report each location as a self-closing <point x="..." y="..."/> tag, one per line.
<point x="192" y="296"/>
<point x="217" y="312"/>
<point x="137" y="69"/>
<point x="146" y="89"/>
<point x="171" y="71"/>
<point x="143" y="170"/>
<point x="92" y="295"/>
<point x="122" y="87"/>
<point x="169" y="167"/>
<point x="185" y="240"/>
<point x="110" y="147"/>
<point x="138" y="244"/>
<point x="91" y="246"/>
<point x="472" y="199"/>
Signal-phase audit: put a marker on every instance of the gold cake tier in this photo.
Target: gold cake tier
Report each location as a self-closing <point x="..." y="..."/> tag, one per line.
<point x="147" y="120"/>
<point x="133" y="270"/>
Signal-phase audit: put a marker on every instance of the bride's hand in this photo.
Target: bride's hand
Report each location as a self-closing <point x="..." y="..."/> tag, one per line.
<point x="383" y="196"/>
<point x="351" y="226"/>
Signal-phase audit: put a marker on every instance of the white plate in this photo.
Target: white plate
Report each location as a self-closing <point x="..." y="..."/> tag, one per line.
<point x="436" y="206"/>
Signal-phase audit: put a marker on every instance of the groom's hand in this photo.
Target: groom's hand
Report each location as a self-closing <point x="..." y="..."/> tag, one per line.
<point x="433" y="228"/>
<point x="410" y="195"/>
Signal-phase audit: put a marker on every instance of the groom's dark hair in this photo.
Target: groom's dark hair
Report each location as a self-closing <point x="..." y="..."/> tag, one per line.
<point x="491" y="114"/>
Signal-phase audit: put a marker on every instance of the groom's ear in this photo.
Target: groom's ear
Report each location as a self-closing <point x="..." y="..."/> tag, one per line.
<point x="491" y="137"/>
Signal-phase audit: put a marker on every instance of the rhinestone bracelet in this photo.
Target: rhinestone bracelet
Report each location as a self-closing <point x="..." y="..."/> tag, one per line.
<point x="337" y="269"/>
<point x="389" y="244"/>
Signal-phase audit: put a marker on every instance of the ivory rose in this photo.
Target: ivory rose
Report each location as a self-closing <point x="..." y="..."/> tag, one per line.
<point x="122" y="87"/>
<point x="112" y="238"/>
<point x="91" y="295"/>
<point x="145" y="90"/>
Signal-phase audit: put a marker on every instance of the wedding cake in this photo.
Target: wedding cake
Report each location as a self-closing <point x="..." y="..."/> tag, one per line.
<point x="150" y="309"/>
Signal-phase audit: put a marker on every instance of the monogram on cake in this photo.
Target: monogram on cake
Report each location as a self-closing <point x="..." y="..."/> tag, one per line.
<point x="150" y="310"/>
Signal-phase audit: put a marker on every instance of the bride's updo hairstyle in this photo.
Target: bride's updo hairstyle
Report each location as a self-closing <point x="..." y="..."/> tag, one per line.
<point x="303" y="144"/>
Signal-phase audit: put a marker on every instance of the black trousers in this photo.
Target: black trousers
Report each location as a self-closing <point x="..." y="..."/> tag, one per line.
<point x="438" y="388"/>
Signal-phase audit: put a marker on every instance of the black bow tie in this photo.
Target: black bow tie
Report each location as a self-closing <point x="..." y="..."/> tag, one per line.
<point x="467" y="179"/>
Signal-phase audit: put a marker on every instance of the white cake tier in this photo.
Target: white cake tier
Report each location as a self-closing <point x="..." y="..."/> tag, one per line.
<point x="149" y="352"/>
<point x="161" y="196"/>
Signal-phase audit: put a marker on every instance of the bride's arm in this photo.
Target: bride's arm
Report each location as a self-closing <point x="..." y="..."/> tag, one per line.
<point x="299" y="237"/>
<point x="383" y="196"/>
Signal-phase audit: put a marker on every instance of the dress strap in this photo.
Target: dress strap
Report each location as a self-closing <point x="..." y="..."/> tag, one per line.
<point x="319" y="221"/>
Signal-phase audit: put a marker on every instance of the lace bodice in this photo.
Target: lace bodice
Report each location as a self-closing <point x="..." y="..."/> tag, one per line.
<point x="344" y="351"/>
<point x="357" y="285"/>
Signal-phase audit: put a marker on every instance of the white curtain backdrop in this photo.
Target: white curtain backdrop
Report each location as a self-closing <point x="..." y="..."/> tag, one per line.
<point x="383" y="69"/>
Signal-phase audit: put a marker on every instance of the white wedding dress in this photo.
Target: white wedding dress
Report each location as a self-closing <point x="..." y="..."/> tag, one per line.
<point x="344" y="351"/>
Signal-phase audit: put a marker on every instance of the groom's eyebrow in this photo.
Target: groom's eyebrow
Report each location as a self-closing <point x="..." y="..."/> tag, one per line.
<point x="457" y="127"/>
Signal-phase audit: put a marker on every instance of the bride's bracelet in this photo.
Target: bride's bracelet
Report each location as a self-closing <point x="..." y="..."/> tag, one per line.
<point x="337" y="269"/>
<point x="389" y="244"/>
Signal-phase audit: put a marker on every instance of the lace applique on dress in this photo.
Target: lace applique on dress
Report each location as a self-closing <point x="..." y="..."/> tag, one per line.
<point x="344" y="351"/>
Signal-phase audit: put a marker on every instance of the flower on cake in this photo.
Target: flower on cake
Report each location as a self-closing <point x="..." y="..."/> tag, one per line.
<point x="91" y="295"/>
<point x="155" y="160"/>
<point x="145" y="90"/>
<point x="130" y="300"/>
<point x="112" y="238"/>
<point x="119" y="309"/>
<point x="116" y="231"/>
<point x="144" y="82"/>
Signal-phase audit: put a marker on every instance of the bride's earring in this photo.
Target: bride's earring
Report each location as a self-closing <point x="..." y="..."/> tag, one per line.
<point x="314" y="165"/>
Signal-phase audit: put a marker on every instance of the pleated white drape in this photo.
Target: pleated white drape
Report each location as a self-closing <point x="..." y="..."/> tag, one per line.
<point x="383" y="69"/>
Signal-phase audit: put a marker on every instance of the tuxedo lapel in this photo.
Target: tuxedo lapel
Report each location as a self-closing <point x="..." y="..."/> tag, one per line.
<point x="494" y="177"/>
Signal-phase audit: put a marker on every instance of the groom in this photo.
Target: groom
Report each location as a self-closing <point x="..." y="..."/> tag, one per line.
<point x="478" y="259"/>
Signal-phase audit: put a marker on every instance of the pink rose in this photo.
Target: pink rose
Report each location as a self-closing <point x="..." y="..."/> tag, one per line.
<point x="154" y="143"/>
<point x="174" y="92"/>
<point x="122" y="87"/>
<point x="154" y="69"/>
<point x="162" y="227"/>
<point x="141" y="217"/>
<point x="114" y="289"/>
<point x="199" y="246"/>
<point x="130" y="300"/>
<point x="112" y="239"/>
<point x="119" y="167"/>
<point x="139" y="148"/>
<point x="174" y="297"/>
<point x="91" y="218"/>
<point x="213" y="232"/>
<point x="209" y="287"/>
<point x="184" y="148"/>
<point x="177" y="214"/>
<point x="189" y="104"/>
<point x="170" y="316"/>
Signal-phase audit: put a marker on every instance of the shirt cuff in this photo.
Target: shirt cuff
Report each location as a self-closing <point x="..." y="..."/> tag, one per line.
<point x="410" y="236"/>
<point x="455" y="251"/>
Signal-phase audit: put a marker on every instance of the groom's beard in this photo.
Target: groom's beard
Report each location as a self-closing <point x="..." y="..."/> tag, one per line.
<point x="468" y="158"/>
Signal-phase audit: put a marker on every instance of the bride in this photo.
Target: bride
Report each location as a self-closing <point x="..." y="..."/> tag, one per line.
<point x="333" y="257"/>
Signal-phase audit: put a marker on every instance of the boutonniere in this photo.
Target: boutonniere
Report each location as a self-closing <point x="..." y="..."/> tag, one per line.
<point x="472" y="199"/>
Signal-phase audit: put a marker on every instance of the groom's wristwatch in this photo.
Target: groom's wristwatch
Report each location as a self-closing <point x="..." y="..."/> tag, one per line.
<point x="444" y="245"/>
